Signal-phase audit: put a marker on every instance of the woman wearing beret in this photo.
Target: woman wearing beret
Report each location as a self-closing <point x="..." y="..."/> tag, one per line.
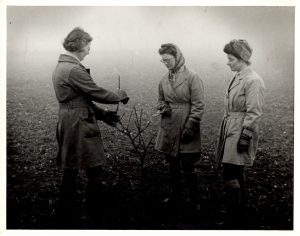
<point x="78" y="134"/>
<point x="239" y="130"/>
<point x="181" y="105"/>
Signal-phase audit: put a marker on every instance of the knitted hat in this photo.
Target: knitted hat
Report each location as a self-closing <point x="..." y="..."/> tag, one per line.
<point x="239" y="48"/>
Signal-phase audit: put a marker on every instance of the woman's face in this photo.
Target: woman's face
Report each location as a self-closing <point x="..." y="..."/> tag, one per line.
<point x="168" y="60"/>
<point x="234" y="63"/>
<point x="84" y="52"/>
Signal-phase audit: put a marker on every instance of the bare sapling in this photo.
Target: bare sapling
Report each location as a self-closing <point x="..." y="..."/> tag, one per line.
<point x="137" y="134"/>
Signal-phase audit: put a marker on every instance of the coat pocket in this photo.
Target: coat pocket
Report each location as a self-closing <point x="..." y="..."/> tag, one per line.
<point x="90" y="128"/>
<point x="166" y="123"/>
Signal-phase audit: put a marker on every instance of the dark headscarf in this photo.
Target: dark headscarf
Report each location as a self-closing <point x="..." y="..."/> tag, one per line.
<point x="239" y="48"/>
<point x="173" y="50"/>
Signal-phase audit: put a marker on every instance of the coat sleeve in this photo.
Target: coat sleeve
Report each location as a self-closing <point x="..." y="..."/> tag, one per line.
<point x="254" y="93"/>
<point x="197" y="99"/>
<point x="99" y="112"/>
<point x="161" y="98"/>
<point x="82" y="82"/>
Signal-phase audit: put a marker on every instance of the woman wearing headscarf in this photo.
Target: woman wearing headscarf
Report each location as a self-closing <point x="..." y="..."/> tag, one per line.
<point x="181" y="105"/>
<point x="239" y="130"/>
<point x="78" y="135"/>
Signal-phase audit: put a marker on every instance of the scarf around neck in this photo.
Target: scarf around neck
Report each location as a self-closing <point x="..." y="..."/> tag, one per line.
<point x="179" y="60"/>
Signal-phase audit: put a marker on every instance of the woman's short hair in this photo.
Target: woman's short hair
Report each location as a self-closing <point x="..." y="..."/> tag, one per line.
<point x="76" y="40"/>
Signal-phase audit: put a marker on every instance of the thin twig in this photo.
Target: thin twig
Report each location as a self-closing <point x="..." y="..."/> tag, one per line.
<point x="136" y="137"/>
<point x="129" y="118"/>
<point x="119" y="87"/>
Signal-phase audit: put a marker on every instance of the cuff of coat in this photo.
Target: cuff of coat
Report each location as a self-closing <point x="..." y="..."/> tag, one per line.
<point x="247" y="131"/>
<point x="99" y="112"/>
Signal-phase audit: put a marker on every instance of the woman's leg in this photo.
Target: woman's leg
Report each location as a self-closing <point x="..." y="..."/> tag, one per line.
<point x="175" y="179"/>
<point x="94" y="195"/>
<point x="233" y="182"/>
<point x="68" y="210"/>
<point x="188" y="161"/>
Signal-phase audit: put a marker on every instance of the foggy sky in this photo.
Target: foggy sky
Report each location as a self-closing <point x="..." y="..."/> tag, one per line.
<point x="200" y="32"/>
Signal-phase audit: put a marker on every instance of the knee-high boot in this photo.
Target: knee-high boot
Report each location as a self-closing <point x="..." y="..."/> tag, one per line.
<point x="244" y="200"/>
<point x="68" y="209"/>
<point x="95" y="195"/>
<point x="233" y="204"/>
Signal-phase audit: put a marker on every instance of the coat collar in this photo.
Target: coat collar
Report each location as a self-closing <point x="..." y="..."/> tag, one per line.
<point x="71" y="54"/>
<point x="244" y="72"/>
<point x="167" y="83"/>
<point x="180" y="79"/>
<point x="69" y="58"/>
<point x="239" y="76"/>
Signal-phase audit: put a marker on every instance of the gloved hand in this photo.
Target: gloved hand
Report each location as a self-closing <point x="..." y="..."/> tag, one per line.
<point x="189" y="131"/>
<point x="123" y="96"/>
<point x="166" y="111"/>
<point x="244" y="141"/>
<point x="187" y="135"/>
<point x="111" y="118"/>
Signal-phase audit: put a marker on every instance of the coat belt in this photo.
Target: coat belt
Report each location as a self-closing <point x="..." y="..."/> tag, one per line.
<point x="179" y="105"/>
<point x="235" y="115"/>
<point x="73" y="104"/>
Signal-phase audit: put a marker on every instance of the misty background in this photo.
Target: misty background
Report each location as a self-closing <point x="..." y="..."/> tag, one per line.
<point x="126" y="41"/>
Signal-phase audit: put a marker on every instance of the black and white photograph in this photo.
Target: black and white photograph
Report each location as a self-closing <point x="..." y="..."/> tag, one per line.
<point x="149" y="117"/>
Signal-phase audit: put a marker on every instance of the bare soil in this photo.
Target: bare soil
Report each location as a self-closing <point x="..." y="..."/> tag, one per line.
<point x="133" y="200"/>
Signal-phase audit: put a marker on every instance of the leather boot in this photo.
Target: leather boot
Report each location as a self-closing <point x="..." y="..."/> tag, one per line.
<point x="95" y="195"/>
<point x="244" y="200"/>
<point x="233" y="204"/>
<point x="68" y="213"/>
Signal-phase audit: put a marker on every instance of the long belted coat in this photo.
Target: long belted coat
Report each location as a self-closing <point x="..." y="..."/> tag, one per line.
<point x="78" y="134"/>
<point x="243" y="108"/>
<point x="186" y="98"/>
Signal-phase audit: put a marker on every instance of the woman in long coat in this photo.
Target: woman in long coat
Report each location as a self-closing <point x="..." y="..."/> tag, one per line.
<point x="239" y="130"/>
<point x="78" y="134"/>
<point x="181" y="105"/>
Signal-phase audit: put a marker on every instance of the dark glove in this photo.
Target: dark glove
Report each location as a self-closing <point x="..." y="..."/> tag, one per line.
<point x="166" y="111"/>
<point x="123" y="96"/>
<point x="244" y="141"/>
<point x="189" y="131"/>
<point x="111" y="118"/>
<point x="187" y="135"/>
